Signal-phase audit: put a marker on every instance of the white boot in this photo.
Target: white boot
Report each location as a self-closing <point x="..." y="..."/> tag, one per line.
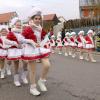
<point x="93" y="61"/>
<point x="73" y="56"/>
<point x="87" y="59"/>
<point x="60" y="53"/>
<point x="2" y="76"/>
<point x="16" y="80"/>
<point x="66" y="54"/>
<point x="8" y="69"/>
<point x="42" y="86"/>
<point x="34" y="91"/>
<point x="81" y="58"/>
<point x="70" y="53"/>
<point x="24" y="77"/>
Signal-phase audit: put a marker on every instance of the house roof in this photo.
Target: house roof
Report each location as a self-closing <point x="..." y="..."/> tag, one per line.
<point x="5" y="17"/>
<point x="49" y="17"/>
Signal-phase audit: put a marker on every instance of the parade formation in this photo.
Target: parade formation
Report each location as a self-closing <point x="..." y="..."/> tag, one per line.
<point x="27" y="44"/>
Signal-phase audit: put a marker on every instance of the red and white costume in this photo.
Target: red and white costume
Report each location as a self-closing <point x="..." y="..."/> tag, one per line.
<point x="66" y="39"/>
<point x="47" y="44"/>
<point x="89" y="40"/>
<point x="17" y="53"/>
<point x="4" y="43"/>
<point x="59" y="41"/>
<point x="73" y="40"/>
<point x="3" y="51"/>
<point x="81" y="40"/>
<point x="14" y="53"/>
<point x="52" y="41"/>
<point x="33" y="53"/>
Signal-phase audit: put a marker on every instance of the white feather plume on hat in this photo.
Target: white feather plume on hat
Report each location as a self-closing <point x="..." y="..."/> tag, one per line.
<point x="81" y="32"/>
<point x="67" y="34"/>
<point x="73" y="33"/>
<point x="14" y="20"/>
<point x="90" y="31"/>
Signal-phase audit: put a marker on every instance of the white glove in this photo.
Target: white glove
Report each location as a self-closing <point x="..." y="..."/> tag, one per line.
<point x="15" y="44"/>
<point x="32" y="43"/>
<point x="44" y="41"/>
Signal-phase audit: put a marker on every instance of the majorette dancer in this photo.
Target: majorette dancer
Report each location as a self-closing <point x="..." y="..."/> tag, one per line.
<point x="31" y="53"/>
<point x="66" y="43"/>
<point x="59" y="44"/>
<point x="53" y="43"/>
<point x="73" y="44"/>
<point x="90" y="46"/>
<point x="81" y="44"/>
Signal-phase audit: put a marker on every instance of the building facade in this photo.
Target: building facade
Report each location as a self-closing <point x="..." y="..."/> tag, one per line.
<point x="5" y="18"/>
<point x="89" y="8"/>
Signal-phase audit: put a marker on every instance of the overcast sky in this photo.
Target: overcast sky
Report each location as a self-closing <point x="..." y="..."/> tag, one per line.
<point x="67" y="8"/>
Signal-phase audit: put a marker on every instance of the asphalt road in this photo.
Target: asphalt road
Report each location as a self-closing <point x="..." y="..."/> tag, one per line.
<point x="68" y="79"/>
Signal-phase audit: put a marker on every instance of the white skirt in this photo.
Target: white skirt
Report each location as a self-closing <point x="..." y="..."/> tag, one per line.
<point x="66" y="44"/>
<point x="80" y="45"/>
<point x="89" y="46"/>
<point x="3" y="53"/>
<point x="14" y="54"/>
<point x="31" y="53"/>
<point x="73" y="44"/>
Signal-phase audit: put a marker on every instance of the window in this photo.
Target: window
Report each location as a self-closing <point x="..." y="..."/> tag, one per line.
<point x="91" y="2"/>
<point x="83" y="2"/>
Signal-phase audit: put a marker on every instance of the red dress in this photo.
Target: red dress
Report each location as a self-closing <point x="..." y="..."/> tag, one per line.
<point x="34" y="53"/>
<point x="3" y="51"/>
<point x="72" y="42"/>
<point x="66" y="42"/>
<point x="81" y="42"/>
<point x="59" y="43"/>
<point x="90" y="43"/>
<point x="14" y="53"/>
<point x="52" y="43"/>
